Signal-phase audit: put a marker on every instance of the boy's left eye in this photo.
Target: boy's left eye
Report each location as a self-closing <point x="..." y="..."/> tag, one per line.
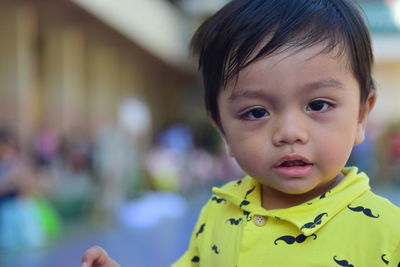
<point x="319" y="105"/>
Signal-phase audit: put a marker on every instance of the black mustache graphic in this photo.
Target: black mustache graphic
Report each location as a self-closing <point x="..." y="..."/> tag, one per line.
<point x="384" y="260"/>
<point x="249" y="192"/>
<point x="324" y="195"/>
<point x="246" y="213"/>
<point x="316" y="221"/>
<point x="233" y="221"/>
<point x="195" y="259"/>
<point x="244" y="203"/>
<point x="218" y="200"/>
<point x="215" y="249"/>
<point x="201" y="229"/>
<point x="291" y="239"/>
<point x="342" y="262"/>
<point x="366" y="212"/>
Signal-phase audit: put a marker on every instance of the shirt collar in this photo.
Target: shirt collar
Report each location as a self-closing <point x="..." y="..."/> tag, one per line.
<point x="308" y="217"/>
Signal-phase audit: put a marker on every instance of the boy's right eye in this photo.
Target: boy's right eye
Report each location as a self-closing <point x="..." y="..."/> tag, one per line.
<point x="255" y="113"/>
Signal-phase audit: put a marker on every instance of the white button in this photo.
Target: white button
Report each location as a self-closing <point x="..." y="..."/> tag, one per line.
<point x="259" y="220"/>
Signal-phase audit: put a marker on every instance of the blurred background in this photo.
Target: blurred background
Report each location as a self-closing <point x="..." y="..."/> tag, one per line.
<point x="103" y="134"/>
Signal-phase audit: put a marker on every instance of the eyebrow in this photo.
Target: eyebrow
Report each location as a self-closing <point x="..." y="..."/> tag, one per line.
<point x="246" y="93"/>
<point x="250" y="93"/>
<point x="326" y="83"/>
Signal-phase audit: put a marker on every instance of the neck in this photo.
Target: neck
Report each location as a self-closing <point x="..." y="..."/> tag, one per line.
<point x="274" y="199"/>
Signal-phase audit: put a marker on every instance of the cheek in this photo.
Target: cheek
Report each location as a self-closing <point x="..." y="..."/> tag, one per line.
<point x="249" y="152"/>
<point x="335" y="148"/>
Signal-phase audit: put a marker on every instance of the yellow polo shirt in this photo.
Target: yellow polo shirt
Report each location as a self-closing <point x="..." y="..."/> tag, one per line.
<point x="346" y="226"/>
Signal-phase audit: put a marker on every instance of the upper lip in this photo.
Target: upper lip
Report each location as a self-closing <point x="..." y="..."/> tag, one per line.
<point x="292" y="157"/>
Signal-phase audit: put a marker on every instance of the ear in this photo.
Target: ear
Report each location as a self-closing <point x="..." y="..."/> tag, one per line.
<point x="365" y="109"/>
<point x="214" y="122"/>
<point x="219" y="128"/>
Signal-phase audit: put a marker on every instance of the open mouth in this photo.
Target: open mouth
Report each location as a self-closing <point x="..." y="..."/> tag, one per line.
<point x="294" y="163"/>
<point x="294" y="166"/>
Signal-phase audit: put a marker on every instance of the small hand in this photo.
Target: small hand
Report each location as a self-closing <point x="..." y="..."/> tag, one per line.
<point x="97" y="257"/>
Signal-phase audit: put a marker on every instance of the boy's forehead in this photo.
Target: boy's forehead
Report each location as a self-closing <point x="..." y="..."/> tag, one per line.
<point x="292" y="55"/>
<point x="296" y="48"/>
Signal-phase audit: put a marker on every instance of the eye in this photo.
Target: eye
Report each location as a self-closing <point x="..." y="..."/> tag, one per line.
<point x="255" y="113"/>
<point x="319" y="105"/>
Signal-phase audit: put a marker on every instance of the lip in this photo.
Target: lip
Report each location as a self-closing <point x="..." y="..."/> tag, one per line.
<point x="293" y="171"/>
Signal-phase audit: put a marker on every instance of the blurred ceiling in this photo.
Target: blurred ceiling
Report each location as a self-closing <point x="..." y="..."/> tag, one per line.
<point x="156" y="25"/>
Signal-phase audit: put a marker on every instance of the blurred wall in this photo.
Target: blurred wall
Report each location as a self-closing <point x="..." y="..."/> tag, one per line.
<point x="62" y="67"/>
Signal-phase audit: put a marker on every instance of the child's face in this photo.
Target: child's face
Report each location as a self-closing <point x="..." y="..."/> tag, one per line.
<point x="291" y="120"/>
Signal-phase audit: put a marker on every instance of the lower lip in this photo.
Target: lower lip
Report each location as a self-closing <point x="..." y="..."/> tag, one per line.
<point x="294" y="171"/>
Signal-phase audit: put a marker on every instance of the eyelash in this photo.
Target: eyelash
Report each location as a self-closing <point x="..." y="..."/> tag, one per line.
<point x="246" y="114"/>
<point x="326" y="105"/>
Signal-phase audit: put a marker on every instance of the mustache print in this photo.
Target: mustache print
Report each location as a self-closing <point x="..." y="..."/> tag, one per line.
<point x="215" y="249"/>
<point x="247" y="214"/>
<point x="195" y="259"/>
<point x="288" y="239"/>
<point x="244" y="203"/>
<point x="233" y="221"/>
<point x="218" y="200"/>
<point x="366" y="211"/>
<point x="384" y="260"/>
<point x="342" y="262"/>
<point x="201" y="229"/>
<point x="317" y="221"/>
<point x="324" y="194"/>
<point x="249" y="192"/>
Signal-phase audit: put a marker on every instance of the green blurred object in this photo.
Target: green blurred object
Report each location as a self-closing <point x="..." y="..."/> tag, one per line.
<point x="48" y="218"/>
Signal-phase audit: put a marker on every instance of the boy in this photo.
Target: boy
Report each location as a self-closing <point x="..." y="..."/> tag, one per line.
<point x="288" y="84"/>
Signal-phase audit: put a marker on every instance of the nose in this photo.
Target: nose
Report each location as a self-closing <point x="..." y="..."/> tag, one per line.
<point x="290" y="130"/>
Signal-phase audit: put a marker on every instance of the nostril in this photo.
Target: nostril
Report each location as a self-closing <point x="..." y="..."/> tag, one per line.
<point x="290" y="136"/>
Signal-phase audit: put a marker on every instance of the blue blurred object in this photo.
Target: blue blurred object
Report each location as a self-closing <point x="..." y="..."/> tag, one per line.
<point x="178" y="138"/>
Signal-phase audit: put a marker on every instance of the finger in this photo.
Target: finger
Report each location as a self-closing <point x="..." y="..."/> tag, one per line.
<point x="94" y="256"/>
<point x="113" y="263"/>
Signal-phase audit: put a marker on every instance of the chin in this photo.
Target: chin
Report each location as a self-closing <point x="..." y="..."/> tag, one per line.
<point x="296" y="190"/>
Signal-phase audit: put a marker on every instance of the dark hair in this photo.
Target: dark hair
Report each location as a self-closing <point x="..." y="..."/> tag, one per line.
<point x="230" y="40"/>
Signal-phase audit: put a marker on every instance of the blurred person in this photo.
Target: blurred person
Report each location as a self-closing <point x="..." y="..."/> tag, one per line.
<point x="288" y="85"/>
<point x="16" y="176"/>
<point x="394" y="144"/>
<point x="217" y="167"/>
<point x="26" y="218"/>
<point x="46" y="147"/>
<point x="113" y="163"/>
<point x="388" y="154"/>
<point x="364" y="155"/>
<point x="393" y="153"/>
<point x="167" y="162"/>
<point x="78" y="153"/>
<point x="118" y="157"/>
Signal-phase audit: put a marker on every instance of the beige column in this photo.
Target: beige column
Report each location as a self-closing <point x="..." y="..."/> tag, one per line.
<point x="18" y="62"/>
<point x="132" y="78"/>
<point x="65" y="90"/>
<point x="104" y="84"/>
